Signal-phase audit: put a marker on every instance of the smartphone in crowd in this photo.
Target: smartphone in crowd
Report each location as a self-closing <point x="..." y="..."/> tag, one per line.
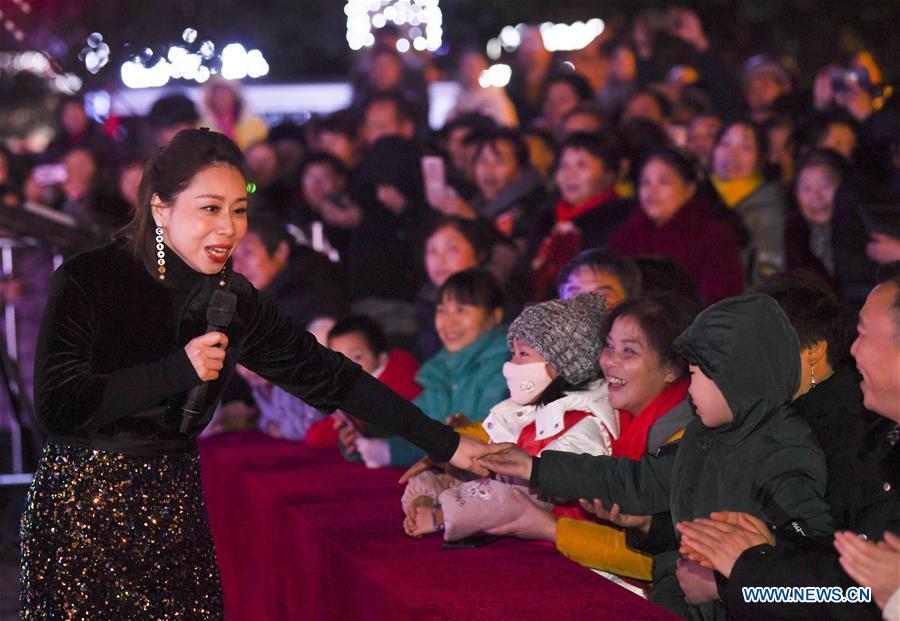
<point x="435" y="174"/>
<point x="50" y="174"/>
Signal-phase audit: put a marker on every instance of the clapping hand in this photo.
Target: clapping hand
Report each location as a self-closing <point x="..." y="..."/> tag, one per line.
<point x="717" y="543"/>
<point x="697" y="582"/>
<point x="871" y="565"/>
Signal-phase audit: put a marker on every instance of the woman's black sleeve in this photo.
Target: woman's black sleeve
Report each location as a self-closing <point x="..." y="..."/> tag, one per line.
<point x="69" y="396"/>
<point x="292" y="359"/>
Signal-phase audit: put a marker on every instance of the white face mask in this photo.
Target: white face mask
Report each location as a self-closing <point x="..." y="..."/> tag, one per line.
<point x="526" y="381"/>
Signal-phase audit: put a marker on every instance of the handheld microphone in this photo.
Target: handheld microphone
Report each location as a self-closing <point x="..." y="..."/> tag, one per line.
<point x="218" y="316"/>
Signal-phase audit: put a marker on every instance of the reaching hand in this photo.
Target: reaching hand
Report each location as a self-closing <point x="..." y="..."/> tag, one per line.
<point x="871" y="565"/>
<point x="469" y="452"/>
<point x="615" y="516"/>
<point x="346" y="432"/>
<point x="508" y="460"/>
<point x="717" y="545"/>
<point x="457" y="420"/>
<point x="420" y="466"/>
<point x="534" y="522"/>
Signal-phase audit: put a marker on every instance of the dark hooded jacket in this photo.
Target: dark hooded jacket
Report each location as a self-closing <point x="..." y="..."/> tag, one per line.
<point x="766" y="462"/>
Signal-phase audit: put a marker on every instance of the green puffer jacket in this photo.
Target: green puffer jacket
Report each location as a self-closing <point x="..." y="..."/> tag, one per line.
<point x="469" y="381"/>
<point x="767" y="462"/>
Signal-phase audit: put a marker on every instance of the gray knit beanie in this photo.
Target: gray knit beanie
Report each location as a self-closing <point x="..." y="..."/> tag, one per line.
<point x="568" y="333"/>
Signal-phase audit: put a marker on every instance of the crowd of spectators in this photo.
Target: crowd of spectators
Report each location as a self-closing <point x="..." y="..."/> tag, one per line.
<point x="638" y="267"/>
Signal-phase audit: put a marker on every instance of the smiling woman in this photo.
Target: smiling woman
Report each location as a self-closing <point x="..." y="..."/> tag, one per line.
<point x="115" y="526"/>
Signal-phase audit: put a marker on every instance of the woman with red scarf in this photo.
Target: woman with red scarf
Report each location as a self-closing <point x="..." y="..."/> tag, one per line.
<point x="587" y="212"/>
<point x="677" y="221"/>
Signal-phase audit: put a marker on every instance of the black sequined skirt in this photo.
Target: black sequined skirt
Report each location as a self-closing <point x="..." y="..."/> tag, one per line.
<point x="113" y="536"/>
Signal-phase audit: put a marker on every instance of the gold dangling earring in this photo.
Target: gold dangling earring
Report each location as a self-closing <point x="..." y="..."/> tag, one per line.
<point x="160" y="254"/>
<point x="812" y="374"/>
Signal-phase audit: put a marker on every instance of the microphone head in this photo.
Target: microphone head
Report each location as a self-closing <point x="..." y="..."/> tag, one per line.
<point x="221" y="308"/>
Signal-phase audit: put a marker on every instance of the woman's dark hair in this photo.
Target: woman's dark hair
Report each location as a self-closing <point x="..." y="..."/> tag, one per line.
<point x="831" y="160"/>
<point x="759" y="137"/>
<point x="675" y="159"/>
<point x="271" y="231"/>
<point x="479" y="235"/>
<point x="665" y="274"/>
<point x="474" y="287"/>
<point x="814" y="311"/>
<point x="602" y="149"/>
<point x="370" y="330"/>
<point x="492" y="137"/>
<point x="586" y="110"/>
<point x="582" y="88"/>
<point x="821" y="124"/>
<point x="623" y="268"/>
<point x="662" y="316"/>
<point x="662" y="102"/>
<point x="473" y="122"/>
<point x="342" y="122"/>
<point x="638" y="137"/>
<point x="326" y="159"/>
<point x="167" y="174"/>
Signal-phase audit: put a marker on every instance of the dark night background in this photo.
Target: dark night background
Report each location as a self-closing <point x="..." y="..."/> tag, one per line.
<point x="304" y="40"/>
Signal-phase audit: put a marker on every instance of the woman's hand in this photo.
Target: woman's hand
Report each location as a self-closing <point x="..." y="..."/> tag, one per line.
<point x="615" y="516"/>
<point x="469" y="452"/>
<point x="450" y="204"/>
<point x="534" y="522"/>
<point x="207" y="354"/>
<point x="508" y="459"/>
<point x="871" y="565"/>
<point x="719" y="542"/>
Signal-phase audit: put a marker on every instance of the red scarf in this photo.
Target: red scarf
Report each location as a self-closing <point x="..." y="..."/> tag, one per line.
<point x="632" y="440"/>
<point x="566" y="212"/>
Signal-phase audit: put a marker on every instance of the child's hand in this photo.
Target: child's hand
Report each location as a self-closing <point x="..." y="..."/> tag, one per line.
<point x="346" y="433"/>
<point x="698" y="583"/>
<point x="614" y="515"/>
<point x="509" y="460"/>
<point x="457" y="420"/>
<point x="419" y="520"/>
<point x="417" y="468"/>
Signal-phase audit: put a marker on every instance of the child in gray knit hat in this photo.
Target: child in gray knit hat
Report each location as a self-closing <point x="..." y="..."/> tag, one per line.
<point x="567" y="333"/>
<point x="558" y="402"/>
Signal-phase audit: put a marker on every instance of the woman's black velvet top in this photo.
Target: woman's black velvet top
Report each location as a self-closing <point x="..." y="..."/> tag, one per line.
<point x="111" y="372"/>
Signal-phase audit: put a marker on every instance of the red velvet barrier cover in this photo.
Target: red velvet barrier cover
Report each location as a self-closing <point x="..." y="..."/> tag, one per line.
<point x="302" y="534"/>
